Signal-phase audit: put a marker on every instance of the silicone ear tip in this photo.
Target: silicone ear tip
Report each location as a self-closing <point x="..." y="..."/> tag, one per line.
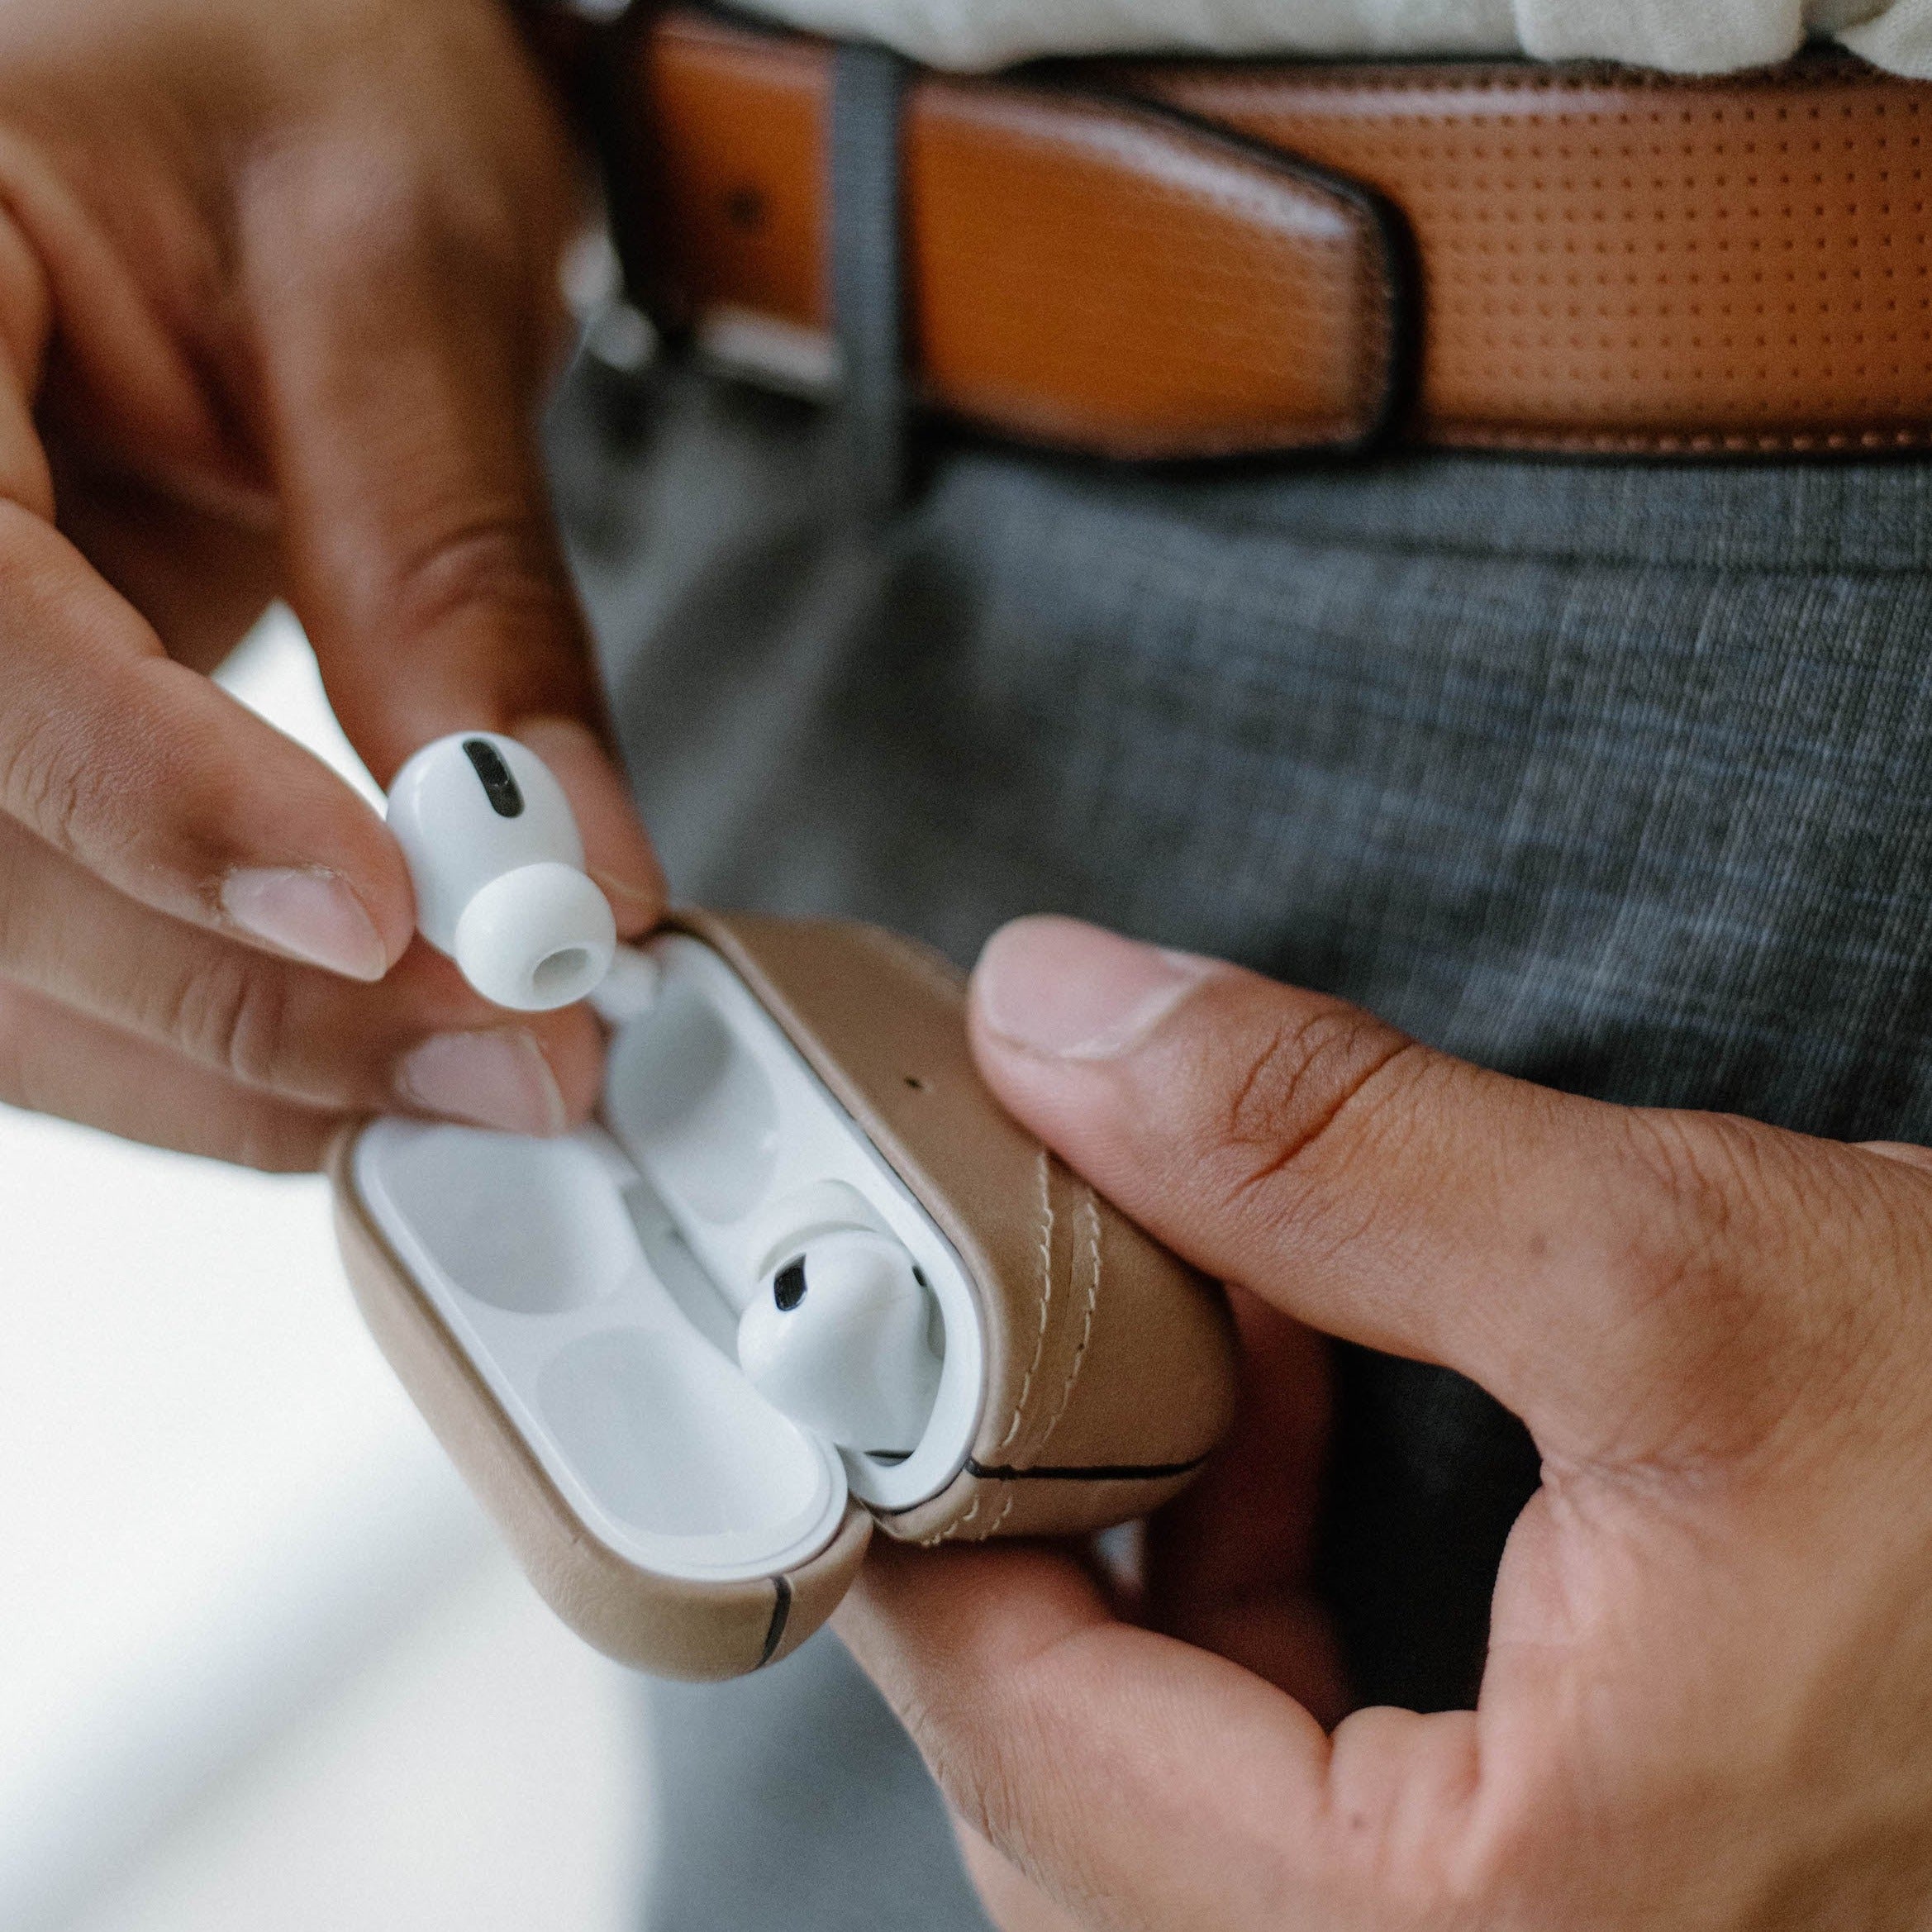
<point x="536" y="938"/>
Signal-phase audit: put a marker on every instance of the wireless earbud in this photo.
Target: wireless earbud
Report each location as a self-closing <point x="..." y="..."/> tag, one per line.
<point x="838" y="1337"/>
<point x="497" y="866"/>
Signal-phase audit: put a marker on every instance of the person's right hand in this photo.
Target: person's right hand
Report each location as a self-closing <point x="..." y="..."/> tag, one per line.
<point x="278" y="306"/>
<point x="1708" y="1695"/>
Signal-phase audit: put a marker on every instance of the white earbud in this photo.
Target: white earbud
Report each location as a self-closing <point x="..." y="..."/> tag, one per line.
<point x="497" y="866"/>
<point x="838" y="1337"/>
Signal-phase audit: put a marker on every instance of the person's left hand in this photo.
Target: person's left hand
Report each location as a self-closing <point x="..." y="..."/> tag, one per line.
<point x="1708" y="1699"/>
<point x="278" y="306"/>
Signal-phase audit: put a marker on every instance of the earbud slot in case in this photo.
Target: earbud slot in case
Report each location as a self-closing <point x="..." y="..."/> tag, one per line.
<point x="564" y="1312"/>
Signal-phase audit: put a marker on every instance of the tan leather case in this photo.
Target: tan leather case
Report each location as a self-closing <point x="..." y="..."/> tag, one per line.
<point x="1109" y="1363"/>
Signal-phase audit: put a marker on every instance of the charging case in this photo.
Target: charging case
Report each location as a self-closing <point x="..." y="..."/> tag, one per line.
<point x="564" y="1312"/>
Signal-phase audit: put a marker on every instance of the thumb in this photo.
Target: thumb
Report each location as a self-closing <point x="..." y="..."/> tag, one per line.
<point x="405" y="331"/>
<point x="1138" y="1782"/>
<point x="1624" y="1279"/>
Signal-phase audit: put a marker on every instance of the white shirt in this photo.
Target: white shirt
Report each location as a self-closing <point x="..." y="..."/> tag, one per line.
<point x="1684" y="36"/>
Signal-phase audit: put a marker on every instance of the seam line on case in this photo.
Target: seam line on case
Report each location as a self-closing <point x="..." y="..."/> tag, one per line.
<point x="1082" y="1472"/>
<point x="1046" y="1300"/>
<point x="774" y="1633"/>
<point x="1007" y="1502"/>
<point x="952" y="1530"/>
<point x="1088" y="1218"/>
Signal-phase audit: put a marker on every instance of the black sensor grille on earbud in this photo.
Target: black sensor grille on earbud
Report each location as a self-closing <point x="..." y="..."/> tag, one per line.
<point x="499" y="787"/>
<point x="788" y="1285"/>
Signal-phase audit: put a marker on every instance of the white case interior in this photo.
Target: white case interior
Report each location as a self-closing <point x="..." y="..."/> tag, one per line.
<point x="595" y="1282"/>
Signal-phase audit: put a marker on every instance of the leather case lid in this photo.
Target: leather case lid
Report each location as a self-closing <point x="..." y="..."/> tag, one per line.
<point x="1110" y="1369"/>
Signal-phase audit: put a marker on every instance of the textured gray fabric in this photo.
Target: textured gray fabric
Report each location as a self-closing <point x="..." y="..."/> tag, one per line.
<point x="1617" y="777"/>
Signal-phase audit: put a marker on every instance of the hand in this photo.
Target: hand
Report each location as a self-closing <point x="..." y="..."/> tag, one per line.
<point x="278" y="304"/>
<point x="1708" y="1699"/>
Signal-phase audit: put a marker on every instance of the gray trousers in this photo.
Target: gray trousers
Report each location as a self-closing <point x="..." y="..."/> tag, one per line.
<point x="1617" y="777"/>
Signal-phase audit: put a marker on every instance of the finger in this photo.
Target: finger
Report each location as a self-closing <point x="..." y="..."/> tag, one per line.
<point x="1230" y="1562"/>
<point x="421" y="1041"/>
<point x="159" y="782"/>
<point x="1904" y="1151"/>
<point x="616" y="852"/>
<point x="1594" y="1267"/>
<point x="55" y="1061"/>
<point x="110" y="752"/>
<point x="1012" y="1901"/>
<point x="27" y="328"/>
<point x="402" y="316"/>
<point x="200" y="578"/>
<point x="1026" y="1700"/>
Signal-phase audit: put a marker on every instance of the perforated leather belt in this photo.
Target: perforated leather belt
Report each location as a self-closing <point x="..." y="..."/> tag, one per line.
<point x="1191" y="259"/>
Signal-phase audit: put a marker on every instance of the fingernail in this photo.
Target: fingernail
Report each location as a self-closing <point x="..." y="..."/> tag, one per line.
<point x="1062" y="987"/>
<point x="618" y="855"/>
<point x="498" y="1078"/>
<point x="309" y="911"/>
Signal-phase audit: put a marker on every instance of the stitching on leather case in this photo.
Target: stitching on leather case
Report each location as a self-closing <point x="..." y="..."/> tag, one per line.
<point x="957" y="1530"/>
<point x="939" y="973"/>
<point x="1046" y="1297"/>
<point x="961" y="1524"/>
<point x="1089" y="1221"/>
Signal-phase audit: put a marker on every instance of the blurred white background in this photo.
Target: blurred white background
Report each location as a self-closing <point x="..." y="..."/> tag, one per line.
<point x="262" y="1664"/>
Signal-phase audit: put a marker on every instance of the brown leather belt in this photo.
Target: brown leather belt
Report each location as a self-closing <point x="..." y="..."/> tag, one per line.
<point x="1189" y="259"/>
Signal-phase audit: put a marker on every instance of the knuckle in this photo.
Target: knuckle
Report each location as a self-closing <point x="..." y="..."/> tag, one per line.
<point x="234" y="1015"/>
<point x="1292" y="1089"/>
<point x="387" y="201"/>
<point x="139" y="784"/>
<point x="497" y="560"/>
<point x="1672" y="1258"/>
<point x="37" y="1075"/>
<point x="46" y="784"/>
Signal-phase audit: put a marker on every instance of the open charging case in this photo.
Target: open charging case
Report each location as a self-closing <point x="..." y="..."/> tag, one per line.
<point x="564" y="1312"/>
